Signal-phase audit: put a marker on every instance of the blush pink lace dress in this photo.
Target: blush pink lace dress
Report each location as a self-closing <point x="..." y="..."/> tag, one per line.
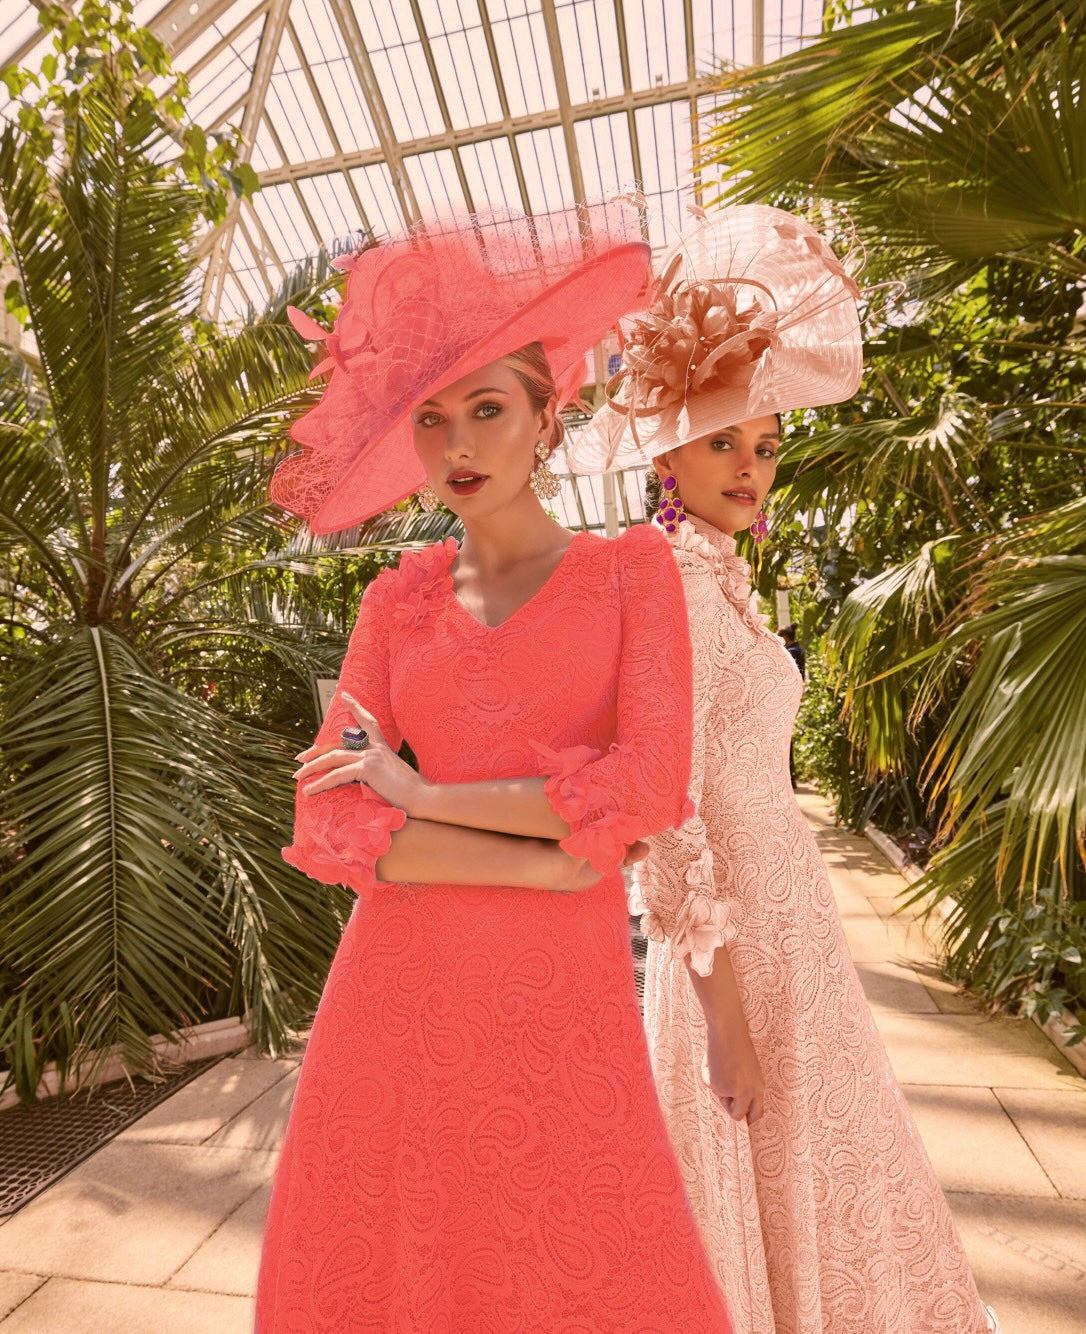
<point x="825" y="1216"/>
<point x="475" y="1145"/>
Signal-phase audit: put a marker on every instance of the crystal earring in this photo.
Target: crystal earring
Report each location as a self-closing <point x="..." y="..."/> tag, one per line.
<point x="671" y="512"/>
<point x="543" y="480"/>
<point x="759" y="529"/>
<point x="428" y="498"/>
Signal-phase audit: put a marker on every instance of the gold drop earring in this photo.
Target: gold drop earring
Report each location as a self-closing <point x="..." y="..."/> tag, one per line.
<point x="428" y="498"/>
<point x="543" y="480"/>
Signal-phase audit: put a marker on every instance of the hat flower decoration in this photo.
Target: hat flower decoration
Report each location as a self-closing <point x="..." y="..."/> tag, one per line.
<point x="752" y="314"/>
<point x="420" y="311"/>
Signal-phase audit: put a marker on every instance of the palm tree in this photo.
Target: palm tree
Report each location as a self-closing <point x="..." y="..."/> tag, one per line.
<point x="955" y="139"/>
<point x="142" y="809"/>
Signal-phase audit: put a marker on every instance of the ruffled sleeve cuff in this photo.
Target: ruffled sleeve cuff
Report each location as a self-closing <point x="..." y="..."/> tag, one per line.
<point x="702" y="925"/>
<point x="341" y="835"/>
<point x="599" y="831"/>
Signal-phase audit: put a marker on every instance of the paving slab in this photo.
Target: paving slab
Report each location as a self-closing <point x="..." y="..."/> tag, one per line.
<point x="133" y="1213"/>
<point x="889" y="985"/>
<point x="261" y="1124"/>
<point x="230" y="1258"/>
<point x="1029" y="1259"/>
<point x="973" y="1144"/>
<point x="1054" y="1127"/>
<point x="67" y="1306"/>
<point x="194" y="1113"/>
<point x="967" y="1049"/>
<point x="16" y="1288"/>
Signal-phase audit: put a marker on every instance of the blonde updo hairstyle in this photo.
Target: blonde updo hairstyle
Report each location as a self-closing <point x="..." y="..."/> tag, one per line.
<point x="531" y="367"/>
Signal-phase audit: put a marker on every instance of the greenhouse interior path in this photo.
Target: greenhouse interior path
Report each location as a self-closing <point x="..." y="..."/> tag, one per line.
<point x="159" y="1232"/>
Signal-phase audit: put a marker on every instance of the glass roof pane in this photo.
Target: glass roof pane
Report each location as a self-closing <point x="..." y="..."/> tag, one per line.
<point x="322" y="47"/>
<point x="603" y="145"/>
<point x="435" y="182"/>
<point x="523" y="58"/>
<point x="290" y="102"/>
<point x="722" y="33"/>
<point x="333" y="208"/>
<point x="374" y="186"/>
<point x="491" y="175"/>
<point x="225" y="78"/>
<point x="399" y="66"/>
<point x="17" y="25"/>
<point x="467" y="77"/>
<point x="664" y="135"/>
<point x="265" y="156"/>
<point x="546" y="170"/>
<point x="657" y="48"/>
<point x="281" y="217"/>
<point x="588" y="33"/>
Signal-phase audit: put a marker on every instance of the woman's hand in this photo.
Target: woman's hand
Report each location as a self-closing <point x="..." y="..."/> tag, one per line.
<point x="733" y="1074"/>
<point x="378" y="766"/>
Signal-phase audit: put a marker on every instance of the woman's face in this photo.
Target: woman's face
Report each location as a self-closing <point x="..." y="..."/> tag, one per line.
<point x="477" y="438"/>
<point x="725" y="477"/>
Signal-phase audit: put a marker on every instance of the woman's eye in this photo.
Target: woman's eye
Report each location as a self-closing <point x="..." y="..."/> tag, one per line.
<point x="768" y="453"/>
<point x="427" y="419"/>
<point x="721" y="444"/>
<point x="488" y="410"/>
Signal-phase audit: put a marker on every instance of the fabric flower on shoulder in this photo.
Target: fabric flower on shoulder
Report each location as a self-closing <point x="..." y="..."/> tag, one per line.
<point x="419" y="579"/>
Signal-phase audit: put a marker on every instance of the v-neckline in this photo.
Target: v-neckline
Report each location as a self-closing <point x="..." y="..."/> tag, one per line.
<point x="539" y="593"/>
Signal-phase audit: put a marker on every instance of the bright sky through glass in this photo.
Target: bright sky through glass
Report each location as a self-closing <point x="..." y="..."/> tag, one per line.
<point x="360" y="113"/>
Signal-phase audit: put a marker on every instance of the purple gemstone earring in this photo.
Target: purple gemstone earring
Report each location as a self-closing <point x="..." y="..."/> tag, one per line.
<point x="671" y="512"/>
<point x="759" y="529"/>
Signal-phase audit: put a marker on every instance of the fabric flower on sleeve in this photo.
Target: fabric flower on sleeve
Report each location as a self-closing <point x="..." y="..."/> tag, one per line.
<point x="704" y="922"/>
<point x="600" y="832"/>
<point x="345" y="833"/>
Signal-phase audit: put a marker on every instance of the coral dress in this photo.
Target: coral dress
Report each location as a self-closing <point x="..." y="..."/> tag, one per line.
<point x="824" y="1215"/>
<point x="475" y="1143"/>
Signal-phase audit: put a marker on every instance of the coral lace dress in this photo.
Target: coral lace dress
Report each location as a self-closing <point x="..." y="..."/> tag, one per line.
<point x="475" y="1143"/>
<point x="825" y="1215"/>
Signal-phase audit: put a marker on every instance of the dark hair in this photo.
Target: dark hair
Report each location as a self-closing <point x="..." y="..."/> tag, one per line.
<point x="654" y="491"/>
<point x="788" y="632"/>
<point x="531" y="367"/>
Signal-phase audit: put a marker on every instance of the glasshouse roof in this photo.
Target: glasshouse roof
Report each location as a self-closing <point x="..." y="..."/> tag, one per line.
<point x="361" y="114"/>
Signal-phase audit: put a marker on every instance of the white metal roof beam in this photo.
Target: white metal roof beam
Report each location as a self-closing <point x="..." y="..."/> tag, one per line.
<point x="499" y="83"/>
<point x="390" y="152"/>
<point x="631" y="119"/>
<point x="443" y="106"/>
<point x="674" y="92"/>
<point x="561" y="84"/>
<point x="177" y="26"/>
<point x="691" y="73"/>
<point x="254" y="109"/>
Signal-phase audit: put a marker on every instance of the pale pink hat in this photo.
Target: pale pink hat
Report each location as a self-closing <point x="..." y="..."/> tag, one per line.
<point x="753" y="314"/>
<point x="421" y="311"/>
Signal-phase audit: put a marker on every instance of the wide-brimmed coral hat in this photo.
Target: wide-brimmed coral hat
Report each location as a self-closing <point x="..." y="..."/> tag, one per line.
<point x="753" y="314"/>
<point x="424" y="309"/>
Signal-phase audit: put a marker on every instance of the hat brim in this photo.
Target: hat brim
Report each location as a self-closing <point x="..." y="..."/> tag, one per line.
<point x="568" y="318"/>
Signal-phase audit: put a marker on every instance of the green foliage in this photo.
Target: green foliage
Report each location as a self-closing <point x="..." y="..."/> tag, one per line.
<point x="943" y="510"/>
<point x="159" y="619"/>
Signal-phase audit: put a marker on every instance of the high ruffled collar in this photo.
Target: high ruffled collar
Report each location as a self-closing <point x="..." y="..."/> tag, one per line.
<point x="719" y="550"/>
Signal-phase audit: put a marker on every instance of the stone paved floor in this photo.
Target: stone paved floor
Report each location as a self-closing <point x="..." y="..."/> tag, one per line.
<point x="159" y="1232"/>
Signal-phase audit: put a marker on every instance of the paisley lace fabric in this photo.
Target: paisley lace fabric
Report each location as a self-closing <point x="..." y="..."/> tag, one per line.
<point x="825" y="1216"/>
<point x="475" y="1144"/>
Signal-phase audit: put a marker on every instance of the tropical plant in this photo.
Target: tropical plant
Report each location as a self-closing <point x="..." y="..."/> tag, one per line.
<point x="156" y="608"/>
<point x="952" y="488"/>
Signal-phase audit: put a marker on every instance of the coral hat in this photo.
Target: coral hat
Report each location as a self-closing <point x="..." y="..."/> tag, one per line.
<point x="427" y="308"/>
<point x="754" y="314"/>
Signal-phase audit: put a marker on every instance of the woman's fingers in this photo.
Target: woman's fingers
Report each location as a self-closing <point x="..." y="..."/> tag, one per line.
<point x="347" y="773"/>
<point x="363" y="718"/>
<point x="329" y="759"/>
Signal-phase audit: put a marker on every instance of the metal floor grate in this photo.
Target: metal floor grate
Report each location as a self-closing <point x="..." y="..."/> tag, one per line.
<point x="640" y="946"/>
<point x="38" y="1144"/>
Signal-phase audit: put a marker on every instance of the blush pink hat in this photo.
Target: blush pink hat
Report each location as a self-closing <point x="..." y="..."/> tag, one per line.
<point x="422" y="310"/>
<point x="753" y="314"/>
